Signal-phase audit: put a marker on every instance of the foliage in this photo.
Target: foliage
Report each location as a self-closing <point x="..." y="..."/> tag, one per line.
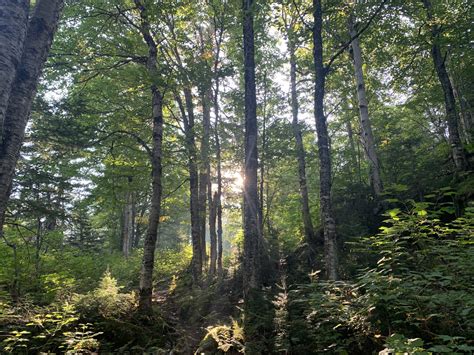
<point x="224" y="339"/>
<point x="399" y="344"/>
<point x="420" y="284"/>
<point x="419" y="287"/>
<point x="50" y="329"/>
<point x="106" y="301"/>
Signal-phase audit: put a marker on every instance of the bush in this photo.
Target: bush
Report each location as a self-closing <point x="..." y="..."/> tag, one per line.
<point x="422" y="283"/>
<point x="420" y="287"/>
<point x="49" y="329"/>
<point x="106" y="301"/>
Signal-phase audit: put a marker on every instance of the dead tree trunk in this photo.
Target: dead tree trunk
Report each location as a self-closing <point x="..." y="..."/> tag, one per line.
<point x="39" y="37"/>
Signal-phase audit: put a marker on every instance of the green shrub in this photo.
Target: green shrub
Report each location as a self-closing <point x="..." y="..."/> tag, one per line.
<point x="422" y="283"/>
<point x="106" y="301"/>
<point x="420" y="287"/>
<point x="49" y="329"/>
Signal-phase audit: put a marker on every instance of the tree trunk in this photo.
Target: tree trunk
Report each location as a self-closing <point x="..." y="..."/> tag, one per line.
<point x="251" y="262"/>
<point x="212" y="231"/>
<point x="193" y="185"/>
<point x="327" y="217"/>
<point x="365" y="125"/>
<point x="218" y="196"/>
<point x="218" y="35"/>
<point x="39" y="37"/>
<point x="465" y="114"/>
<point x="149" y="245"/>
<point x="128" y="222"/>
<point x="138" y="230"/>
<point x="38" y="245"/>
<point x="13" y="25"/>
<point x="300" y="153"/>
<point x="452" y="116"/>
<point x="352" y="161"/>
<point x="205" y="169"/>
<point x="263" y="156"/>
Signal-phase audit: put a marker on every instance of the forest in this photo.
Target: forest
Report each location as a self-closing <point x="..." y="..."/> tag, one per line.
<point x="236" y="176"/>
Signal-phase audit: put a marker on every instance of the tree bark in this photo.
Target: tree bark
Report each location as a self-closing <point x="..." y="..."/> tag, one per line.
<point x="204" y="177"/>
<point x="138" y="230"/>
<point x="452" y="116"/>
<point x="196" y="263"/>
<point x="128" y="229"/>
<point x="218" y="196"/>
<point x="263" y="155"/>
<point x="149" y="245"/>
<point x="218" y="36"/>
<point x="465" y="114"/>
<point x="300" y="153"/>
<point x="251" y="262"/>
<point x="365" y="124"/>
<point x="212" y="231"/>
<point x="327" y="217"/>
<point x="37" y="44"/>
<point x="13" y="27"/>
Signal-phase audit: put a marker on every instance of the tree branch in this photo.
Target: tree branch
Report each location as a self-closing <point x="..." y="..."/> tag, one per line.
<point x="357" y="35"/>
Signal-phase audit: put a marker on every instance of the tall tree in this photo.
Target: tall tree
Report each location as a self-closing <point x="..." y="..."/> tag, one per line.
<point x="39" y="36"/>
<point x="252" y="243"/>
<point x="204" y="174"/>
<point x="146" y="276"/>
<point x="187" y="113"/>
<point x="452" y="116"/>
<point x="365" y="124"/>
<point x="300" y="151"/>
<point x="185" y="65"/>
<point x="325" y="175"/>
<point x="218" y="37"/>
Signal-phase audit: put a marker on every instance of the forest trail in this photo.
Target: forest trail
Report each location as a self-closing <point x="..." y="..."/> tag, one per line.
<point x="213" y="306"/>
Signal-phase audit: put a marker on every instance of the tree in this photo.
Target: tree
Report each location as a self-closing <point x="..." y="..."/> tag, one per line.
<point x="365" y="124"/>
<point x="39" y="36"/>
<point x="146" y="276"/>
<point x="14" y="23"/>
<point x="325" y="176"/>
<point x="128" y="221"/>
<point x="452" y="116"/>
<point x="252" y="243"/>
<point x="300" y="151"/>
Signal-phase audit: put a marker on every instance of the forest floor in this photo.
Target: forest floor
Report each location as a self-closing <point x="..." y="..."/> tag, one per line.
<point x="190" y="312"/>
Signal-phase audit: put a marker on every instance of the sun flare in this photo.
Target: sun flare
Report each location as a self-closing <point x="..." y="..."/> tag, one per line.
<point x="233" y="180"/>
